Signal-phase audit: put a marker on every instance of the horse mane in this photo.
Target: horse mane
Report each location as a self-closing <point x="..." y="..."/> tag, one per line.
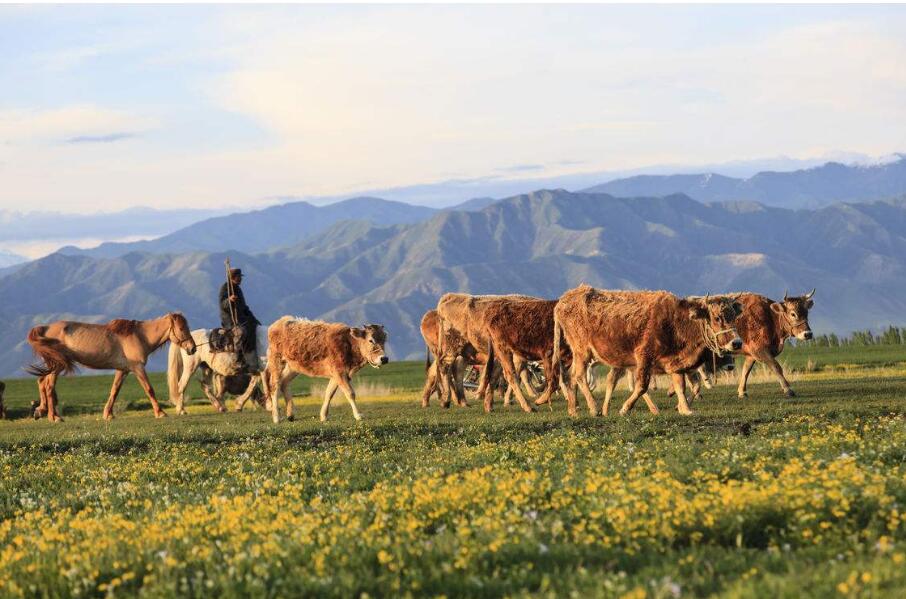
<point x="122" y="326"/>
<point x="179" y="319"/>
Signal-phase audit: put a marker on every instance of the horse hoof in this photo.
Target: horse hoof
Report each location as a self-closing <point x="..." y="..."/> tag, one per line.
<point x="743" y="396"/>
<point x="160" y="414"/>
<point x="623" y="411"/>
<point x="789" y="393"/>
<point x="358" y="417"/>
<point x="291" y="418"/>
<point x="323" y="418"/>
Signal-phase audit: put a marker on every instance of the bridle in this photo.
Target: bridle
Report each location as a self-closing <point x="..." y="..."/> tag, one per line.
<point x="710" y="338"/>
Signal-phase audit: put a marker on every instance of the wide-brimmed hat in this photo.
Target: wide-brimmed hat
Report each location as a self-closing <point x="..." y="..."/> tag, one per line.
<point x="235" y="272"/>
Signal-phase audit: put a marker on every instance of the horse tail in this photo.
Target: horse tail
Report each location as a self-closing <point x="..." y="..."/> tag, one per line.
<point x="488" y="371"/>
<point x="174" y="372"/>
<point x="54" y="354"/>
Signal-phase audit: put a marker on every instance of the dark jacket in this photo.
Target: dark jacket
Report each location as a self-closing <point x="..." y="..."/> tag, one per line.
<point x="243" y="312"/>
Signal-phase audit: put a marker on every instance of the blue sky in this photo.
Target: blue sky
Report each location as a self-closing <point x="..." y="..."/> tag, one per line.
<point x="107" y="107"/>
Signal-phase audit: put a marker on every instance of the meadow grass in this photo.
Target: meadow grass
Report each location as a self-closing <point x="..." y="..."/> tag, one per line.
<point x="767" y="496"/>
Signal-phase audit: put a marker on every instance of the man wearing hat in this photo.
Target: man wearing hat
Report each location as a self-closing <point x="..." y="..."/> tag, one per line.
<point x="234" y="300"/>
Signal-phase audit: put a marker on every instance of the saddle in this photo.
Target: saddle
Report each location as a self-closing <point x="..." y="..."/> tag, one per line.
<point x="224" y="340"/>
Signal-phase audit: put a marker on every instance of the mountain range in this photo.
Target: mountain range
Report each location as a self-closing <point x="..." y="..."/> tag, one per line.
<point x="803" y="188"/>
<point x="540" y="243"/>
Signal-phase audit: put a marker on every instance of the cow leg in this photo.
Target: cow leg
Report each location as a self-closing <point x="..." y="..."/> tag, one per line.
<point x="509" y="373"/>
<point x="249" y="391"/>
<point x="331" y="390"/>
<point x="118" y="377"/>
<point x="696" y="380"/>
<point x="287" y="394"/>
<point x="142" y="377"/>
<point x="274" y="375"/>
<point x="430" y="383"/>
<point x="350" y="395"/>
<point x="642" y="380"/>
<point x="582" y="381"/>
<point x="679" y="384"/>
<point x="610" y="383"/>
<point x="775" y="366"/>
<point x="458" y="373"/>
<point x="744" y="377"/>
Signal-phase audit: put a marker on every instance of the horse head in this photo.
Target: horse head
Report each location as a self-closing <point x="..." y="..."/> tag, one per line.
<point x="180" y="334"/>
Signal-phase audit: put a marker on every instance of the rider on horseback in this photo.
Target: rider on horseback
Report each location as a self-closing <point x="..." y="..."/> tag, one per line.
<point x="235" y="312"/>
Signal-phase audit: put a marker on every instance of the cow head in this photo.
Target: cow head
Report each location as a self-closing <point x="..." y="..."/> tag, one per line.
<point x="370" y="340"/>
<point x="793" y="312"/>
<point x="717" y="314"/>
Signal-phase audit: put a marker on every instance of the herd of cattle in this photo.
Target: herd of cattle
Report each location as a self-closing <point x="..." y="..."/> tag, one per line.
<point x="643" y="332"/>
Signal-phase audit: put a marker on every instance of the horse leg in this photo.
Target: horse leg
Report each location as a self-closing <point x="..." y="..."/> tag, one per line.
<point x="183" y="384"/>
<point x="253" y="383"/>
<point x="142" y="377"/>
<point x="213" y="388"/>
<point x="50" y="392"/>
<point x="41" y="407"/>
<point x="118" y="377"/>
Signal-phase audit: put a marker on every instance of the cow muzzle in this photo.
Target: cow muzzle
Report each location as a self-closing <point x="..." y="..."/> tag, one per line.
<point x="804" y="336"/>
<point x="384" y="360"/>
<point x="734" y="345"/>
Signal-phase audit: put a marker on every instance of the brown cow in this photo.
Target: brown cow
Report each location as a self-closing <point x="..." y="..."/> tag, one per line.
<point x="458" y="355"/>
<point x="464" y="313"/>
<point x="441" y="375"/>
<point x="522" y="328"/>
<point x="320" y="349"/>
<point x="651" y="331"/>
<point x="764" y="326"/>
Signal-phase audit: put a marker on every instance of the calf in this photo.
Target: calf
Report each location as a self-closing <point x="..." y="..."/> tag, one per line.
<point x="329" y="350"/>
<point x="651" y="331"/>
<point x="764" y="326"/>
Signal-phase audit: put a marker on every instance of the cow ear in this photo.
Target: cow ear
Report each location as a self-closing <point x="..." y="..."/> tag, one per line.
<point x="737" y="307"/>
<point x="357" y="333"/>
<point x="809" y="304"/>
<point x="777" y="307"/>
<point x="697" y="310"/>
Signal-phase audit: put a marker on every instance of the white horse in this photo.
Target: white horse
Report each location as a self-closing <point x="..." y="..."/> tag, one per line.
<point x="181" y="366"/>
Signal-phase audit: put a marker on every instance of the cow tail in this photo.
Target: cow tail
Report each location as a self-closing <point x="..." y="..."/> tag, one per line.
<point x="54" y="354"/>
<point x="427" y="359"/>
<point x="556" y="365"/>
<point x="486" y="374"/>
<point x="174" y="372"/>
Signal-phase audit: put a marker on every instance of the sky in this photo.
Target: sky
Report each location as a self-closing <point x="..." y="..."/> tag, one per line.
<point x="107" y="107"/>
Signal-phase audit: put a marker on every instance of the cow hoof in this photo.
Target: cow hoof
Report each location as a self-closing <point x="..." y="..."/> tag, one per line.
<point x="789" y="393"/>
<point x="108" y="417"/>
<point x="291" y="418"/>
<point x="323" y="418"/>
<point x="358" y="417"/>
<point x="623" y="411"/>
<point x="160" y="414"/>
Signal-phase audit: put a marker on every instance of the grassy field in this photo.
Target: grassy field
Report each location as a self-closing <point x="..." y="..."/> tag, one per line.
<point x="747" y="498"/>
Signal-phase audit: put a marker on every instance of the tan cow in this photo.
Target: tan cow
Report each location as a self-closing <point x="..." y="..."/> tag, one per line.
<point x="329" y="350"/>
<point x="465" y="313"/>
<point x="764" y="326"/>
<point x="650" y="331"/>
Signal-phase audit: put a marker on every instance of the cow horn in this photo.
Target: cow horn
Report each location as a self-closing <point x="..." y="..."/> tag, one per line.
<point x="786" y="294"/>
<point x="809" y="295"/>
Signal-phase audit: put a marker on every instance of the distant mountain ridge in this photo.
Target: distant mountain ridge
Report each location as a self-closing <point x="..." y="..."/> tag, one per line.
<point x="540" y="243"/>
<point x="805" y="188"/>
